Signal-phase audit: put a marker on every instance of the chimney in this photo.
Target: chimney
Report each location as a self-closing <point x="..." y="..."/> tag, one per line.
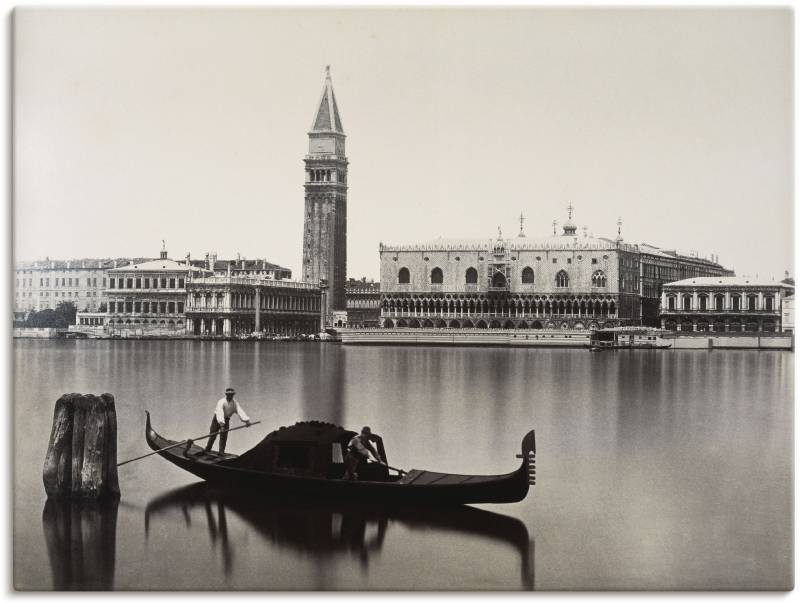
<point x="207" y="263"/>
<point x="188" y="260"/>
<point x="213" y="261"/>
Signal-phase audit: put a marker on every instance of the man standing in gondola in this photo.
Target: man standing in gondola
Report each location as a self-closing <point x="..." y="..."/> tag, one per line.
<point x="226" y="407"/>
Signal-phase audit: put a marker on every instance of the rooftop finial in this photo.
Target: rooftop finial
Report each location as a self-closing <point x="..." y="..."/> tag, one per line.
<point x="327" y="71"/>
<point x="555" y="223"/>
<point x="619" y="228"/>
<point x="499" y="232"/>
<point x="521" y="225"/>
<point x="570" y="228"/>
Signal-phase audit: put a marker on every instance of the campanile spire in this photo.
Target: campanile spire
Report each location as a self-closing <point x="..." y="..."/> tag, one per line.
<point x="325" y="228"/>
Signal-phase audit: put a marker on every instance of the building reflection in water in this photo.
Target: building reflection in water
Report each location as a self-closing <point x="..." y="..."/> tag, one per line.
<point x="81" y="543"/>
<point x="324" y="531"/>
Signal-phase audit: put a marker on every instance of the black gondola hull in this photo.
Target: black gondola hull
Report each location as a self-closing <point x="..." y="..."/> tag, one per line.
<point x="445" y="488"/>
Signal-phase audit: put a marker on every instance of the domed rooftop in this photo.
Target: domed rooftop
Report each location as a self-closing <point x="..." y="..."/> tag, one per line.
<point x="570" y="228"/>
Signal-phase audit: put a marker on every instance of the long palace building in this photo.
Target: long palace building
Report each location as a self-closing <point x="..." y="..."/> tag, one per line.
<point x="565" y="281"/>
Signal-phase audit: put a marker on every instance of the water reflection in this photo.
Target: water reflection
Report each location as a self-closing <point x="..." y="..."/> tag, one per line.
<point x="81" y="543"/>
<point x="324" y="531"/>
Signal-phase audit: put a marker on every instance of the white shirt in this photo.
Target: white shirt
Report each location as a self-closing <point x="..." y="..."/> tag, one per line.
<point x="355" y="443"/>
<point x="225" y="409"/>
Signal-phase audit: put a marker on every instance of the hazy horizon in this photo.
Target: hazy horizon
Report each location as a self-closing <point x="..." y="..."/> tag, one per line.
<point x="189" y="125"/>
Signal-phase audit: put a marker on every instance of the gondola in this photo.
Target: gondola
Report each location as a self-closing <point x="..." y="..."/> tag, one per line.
<point x="307" y="460"/>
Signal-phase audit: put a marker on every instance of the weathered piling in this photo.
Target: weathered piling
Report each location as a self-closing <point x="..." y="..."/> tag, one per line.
<point x="81" y="460"/>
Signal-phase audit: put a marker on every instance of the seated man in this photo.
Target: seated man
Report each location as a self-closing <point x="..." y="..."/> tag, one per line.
<point x="358" y="451"/>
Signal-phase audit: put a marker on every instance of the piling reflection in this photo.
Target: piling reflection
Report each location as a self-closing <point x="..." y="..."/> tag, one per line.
<point x="324" y="531"/>
<point x="81" y="543"/>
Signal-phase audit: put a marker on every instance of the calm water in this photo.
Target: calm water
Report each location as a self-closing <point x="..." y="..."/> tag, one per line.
<point x="661" y="469"/>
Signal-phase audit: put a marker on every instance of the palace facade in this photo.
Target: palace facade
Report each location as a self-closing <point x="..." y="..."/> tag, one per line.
<point x="566" y="281"/>
<point x="724" y="304"/>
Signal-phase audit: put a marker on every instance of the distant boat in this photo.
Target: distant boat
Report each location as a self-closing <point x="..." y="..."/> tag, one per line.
<point x="628" y="337"/>
<point x="307" y="460"/>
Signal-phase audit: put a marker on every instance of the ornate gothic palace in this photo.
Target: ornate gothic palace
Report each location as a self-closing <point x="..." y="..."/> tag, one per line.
<point x="566" y="281"/>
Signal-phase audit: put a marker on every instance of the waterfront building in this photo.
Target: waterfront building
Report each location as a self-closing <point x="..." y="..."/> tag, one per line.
<point x="723" y="304"/>
<point x="659" y="266"/>
<point x="363" y="303"/>
<point x="787" y="313"/>
<point x="325" y="222"/>
<point x="44" y="284"/>
<point x="232" y="306"/>
<point x="565" y="281"/>
<point x="149" y="297"/>
<point x="256" y="268"/>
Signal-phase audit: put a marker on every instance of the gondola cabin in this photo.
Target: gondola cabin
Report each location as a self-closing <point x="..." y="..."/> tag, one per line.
<point x="312" y="449"/>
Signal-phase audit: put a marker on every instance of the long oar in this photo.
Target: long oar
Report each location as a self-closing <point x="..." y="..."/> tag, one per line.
<point x="183" y="442"/>
<point x="391" y="468"/>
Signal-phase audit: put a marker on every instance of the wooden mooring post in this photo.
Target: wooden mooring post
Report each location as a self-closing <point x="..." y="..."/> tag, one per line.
<point x="81" y="460"/>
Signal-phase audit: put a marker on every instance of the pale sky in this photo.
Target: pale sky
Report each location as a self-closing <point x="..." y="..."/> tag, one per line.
<point x="136" y="125"/>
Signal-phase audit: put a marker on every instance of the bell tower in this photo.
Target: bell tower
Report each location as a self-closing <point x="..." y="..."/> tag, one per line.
<point x="325" y="228"/>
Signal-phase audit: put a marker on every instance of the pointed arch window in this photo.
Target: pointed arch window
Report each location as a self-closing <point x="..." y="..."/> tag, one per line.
<point x="471" y="276"/>
<point x="599" y="279"/>
<point x="562" y="279"/>
<point x="437" y="277"/>
<point x="527" y="275"/>
<point x="403" y="276"/>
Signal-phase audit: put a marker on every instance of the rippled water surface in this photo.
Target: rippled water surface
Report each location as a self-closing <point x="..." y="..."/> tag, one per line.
<point x="656" y="469"/>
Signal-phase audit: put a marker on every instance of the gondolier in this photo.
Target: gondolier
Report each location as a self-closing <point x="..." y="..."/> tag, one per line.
<point x="226" y="407"/>
<point x="358" y="451"/>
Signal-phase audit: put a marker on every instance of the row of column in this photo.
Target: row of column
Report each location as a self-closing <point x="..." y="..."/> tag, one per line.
<point x="711" y="301"/>
<point x="231" y="300"/>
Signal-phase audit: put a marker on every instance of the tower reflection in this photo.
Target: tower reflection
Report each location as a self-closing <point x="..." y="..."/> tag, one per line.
<point x="325" y="530"/>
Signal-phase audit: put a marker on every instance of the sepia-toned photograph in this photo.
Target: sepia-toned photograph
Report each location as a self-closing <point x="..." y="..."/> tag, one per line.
<point x="402" y="298"/>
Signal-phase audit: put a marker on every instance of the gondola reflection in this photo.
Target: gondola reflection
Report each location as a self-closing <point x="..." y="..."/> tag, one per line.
<point x="323" y="530"/>
<point x="81" y="543"/>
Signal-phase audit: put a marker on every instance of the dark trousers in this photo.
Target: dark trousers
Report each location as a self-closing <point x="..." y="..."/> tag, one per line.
<point x="223" y="438"/>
